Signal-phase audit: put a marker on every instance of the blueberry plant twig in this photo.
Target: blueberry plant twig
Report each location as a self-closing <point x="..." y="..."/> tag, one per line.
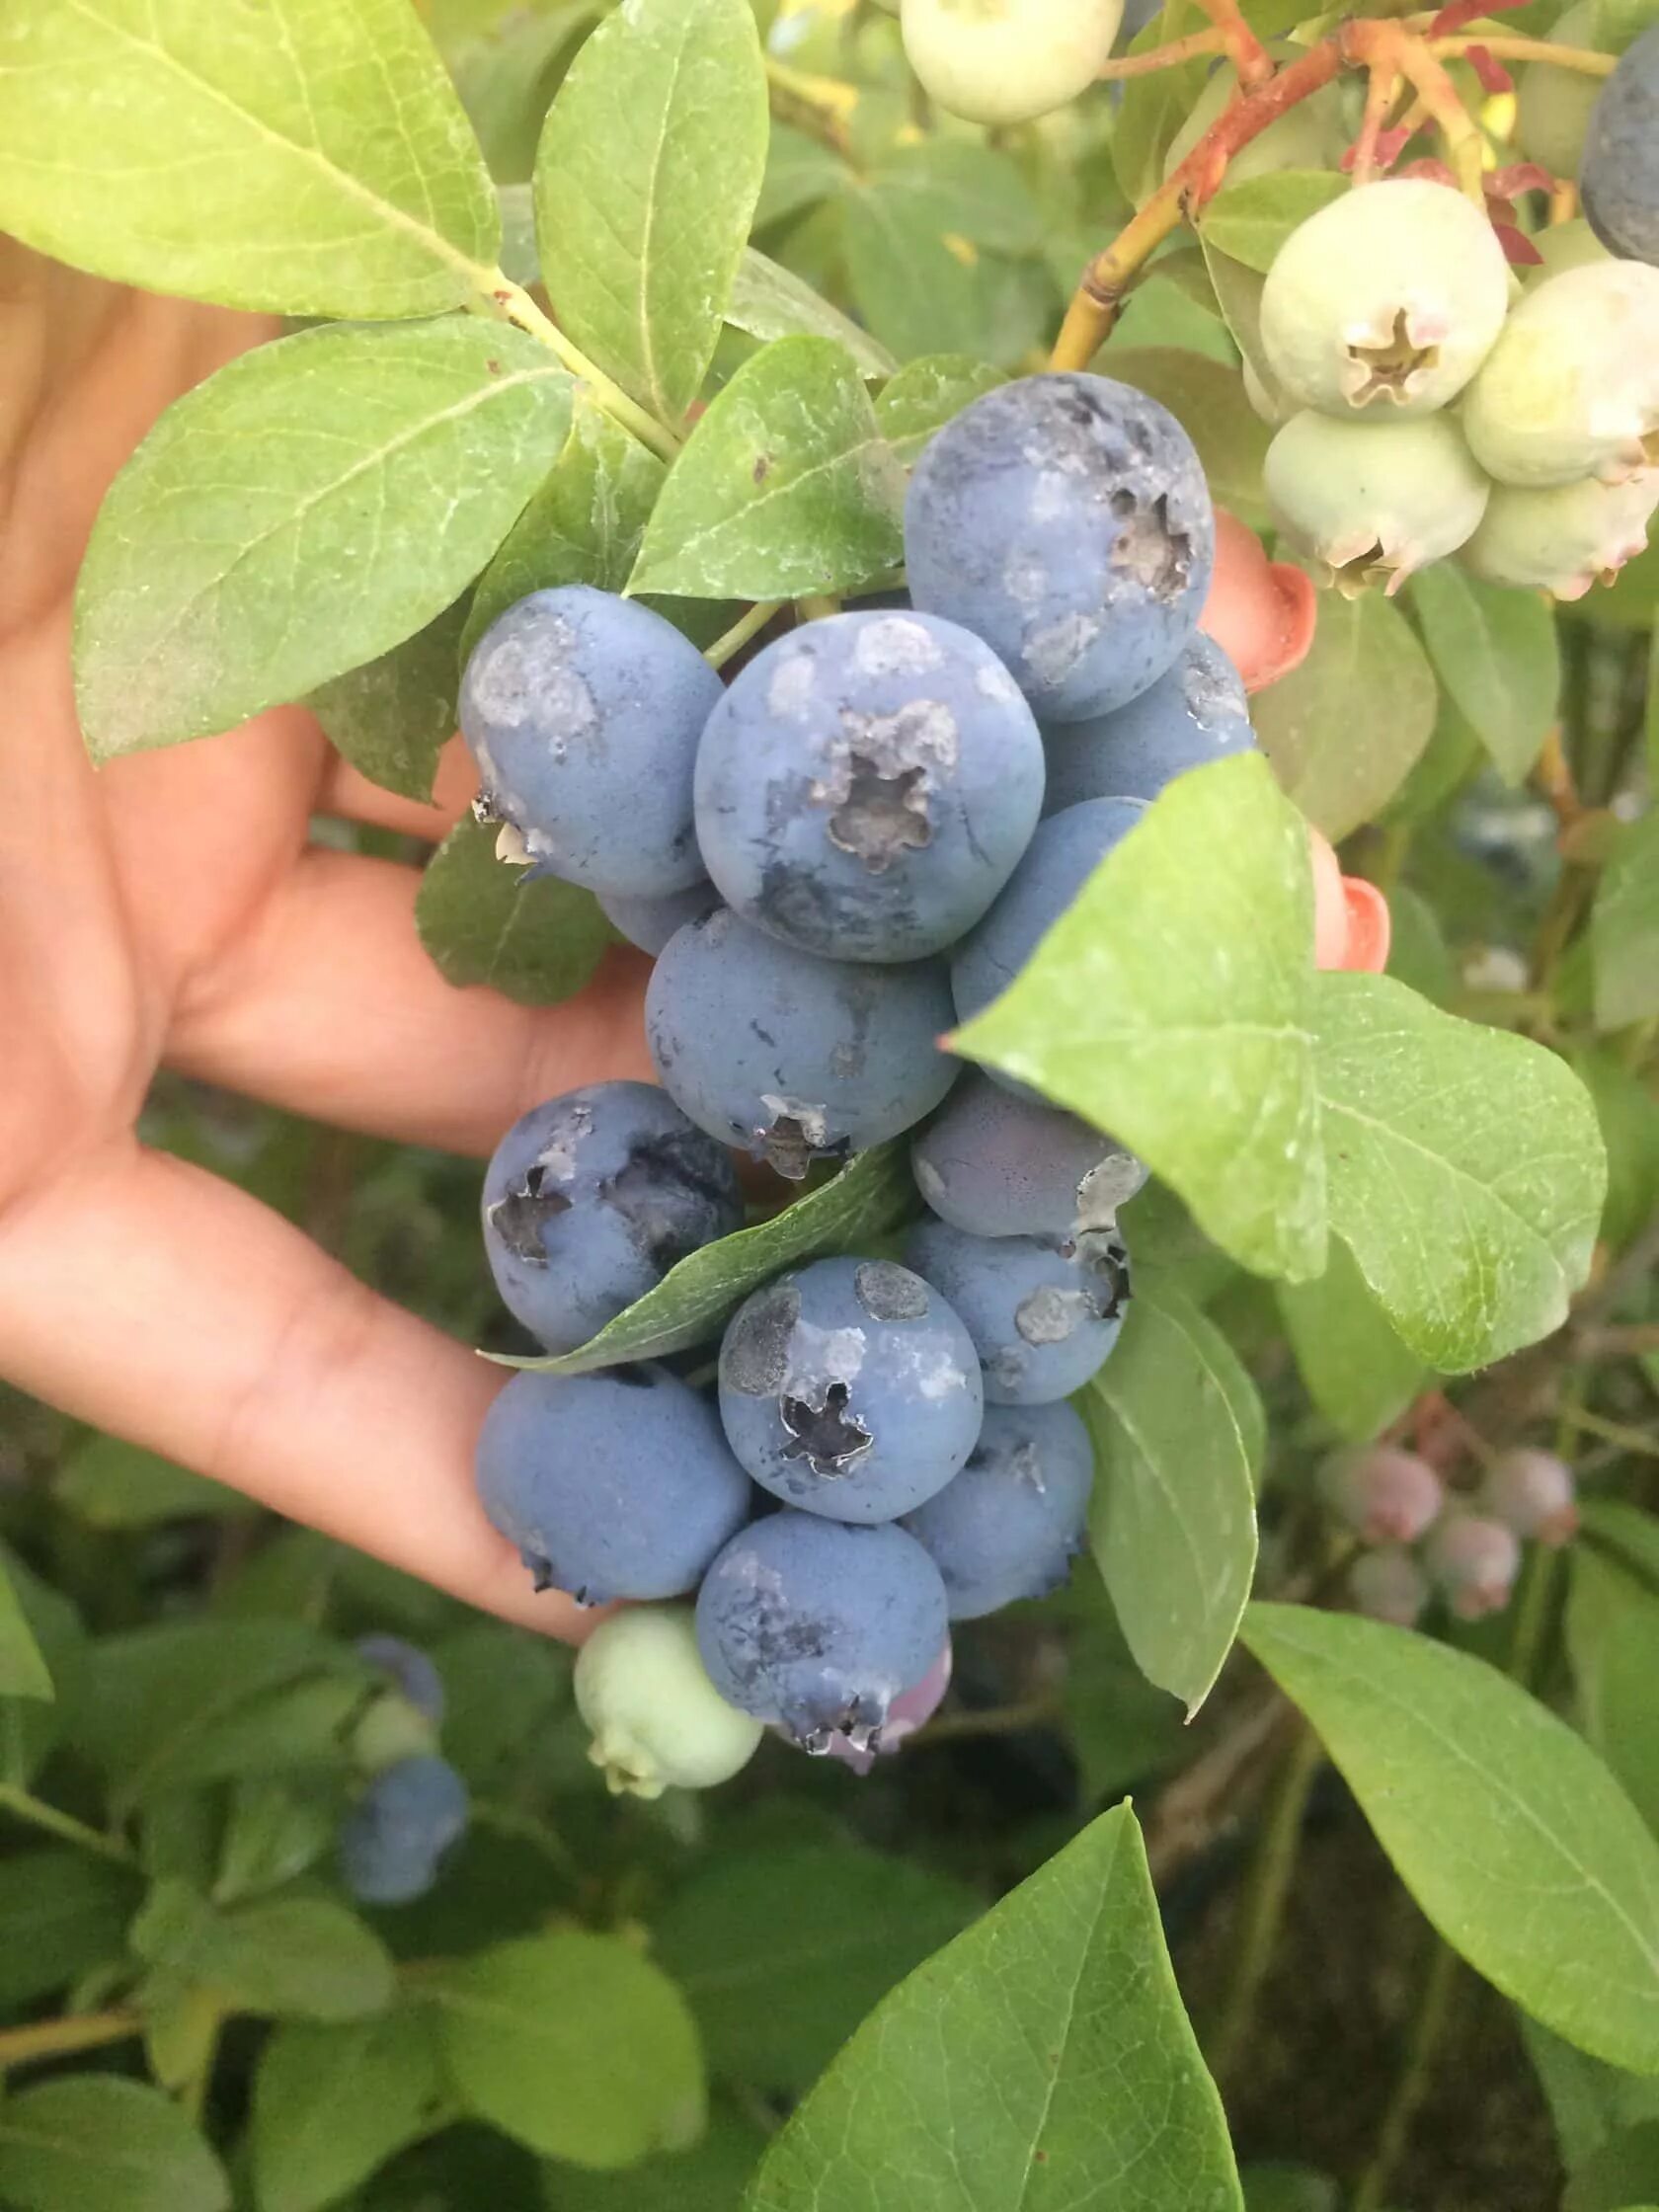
<point x="1428" y="2031"/>
<point x="78" y="2031"/>
<point x="1267" y="1890"/>
<point x="1249" y="57"/>
<point x="748" y="625"/>
<point x="822" y="107"/>
<point x="515" y="306"/>
<point x="24" y="1806"/>
<point x="1170" y="56"/>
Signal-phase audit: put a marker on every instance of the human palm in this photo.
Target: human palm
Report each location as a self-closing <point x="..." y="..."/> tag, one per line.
<point x="170" y="910"/>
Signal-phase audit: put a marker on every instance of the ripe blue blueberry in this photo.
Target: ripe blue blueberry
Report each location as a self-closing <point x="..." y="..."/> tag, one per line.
<point x="591" y="1199"/>
<point x="649" y="923"/>
<point x="1060" y="858"/>
<point x="1010" y="1523"/>
<point x="998" y="1166"/>
<point x="1066" y="521"/>
<point x="819" y="1626"/>
<point x="1619" y="178"/>
<point x="911" y="1710"/>
<point x="849" y="1389"/>
<point x="866" y="785"/>
<point x="395" y="1837"/>
<point x="1195" y="713"/>
<point x="583" y="712"/>
<point x="1384" y="1494"/>
<point x="1042" y="1317"/>
<point x="618" y="1484"/>
<point x="794" y="1058"/>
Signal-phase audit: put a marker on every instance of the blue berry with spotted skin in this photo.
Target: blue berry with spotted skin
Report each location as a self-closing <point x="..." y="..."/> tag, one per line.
<point x="998" y="1165"/>
<point x="819" y="1626"/>
<point x="849" y="1389"/>
<point x="1009" y="1525"/>
<point x="593" y="1198"/>
<point x="648" y="922"/>
<point x="397" y="1834"/>
<point x="1043" y="1317"/>
<point x="1619" y="178"/>
<point x="582" y="711"/>
<point x="618" y="1484"/>
<point x="1195" y="713"/>
<point x="1066" y="521"/>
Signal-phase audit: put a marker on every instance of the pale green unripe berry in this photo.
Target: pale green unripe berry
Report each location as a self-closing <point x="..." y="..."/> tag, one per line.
<point x="1270" y="405"/>
<point x="1571" y="390"/>
<point x="1564" y="539"/>
<point x="391" y="1730"/>
<point x="1562" y="246"/>
<point x="1375" y="501"/>
<point x="1002" y="62"/>
<point x="656" y="1718"/>
<point x="1389" y="300"/>
<point x="1553" y="106"/>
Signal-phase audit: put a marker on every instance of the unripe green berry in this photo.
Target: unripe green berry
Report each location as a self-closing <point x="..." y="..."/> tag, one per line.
<point x="391" y="1730"/>
<point x="1553" y="106"/>
<point x="1390" y="298"/>
<point x="1565" y="539"/>
<point x="1000" y="61"/>
<point x="656" y="1720"/>
<point x="1374" y="501"/>
<point x="1571" y="390"/>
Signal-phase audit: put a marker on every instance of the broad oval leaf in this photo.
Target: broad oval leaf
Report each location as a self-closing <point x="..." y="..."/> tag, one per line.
<point x="1504" y="1825"/>
<point x="98" y="2142"/>
<point x="785" y="488"/>
<point x="646" y="179"/>
<point x="1497" y="654"/>
<point x="304" y="511"/>
<point x="392" y="716"/>
<point x="926" y="394"/>
<point x="777" y="1991"/>
<point x="770" y="301"/>
<point x="332" y="2103"/>
<point x="485" y="922"/>
<point x="111" y="1484"/>
<point x="1624" y="928"/>
<point x="1044" y="2052"/>
<point x="291" y="1957"/>
<point x="61" y="1913"/>
<point x="574" y="2045"/>
<point x="31" y="1723"/>
<point x="1355" y="1368"/>
<point x="919" y="293"/>
<point x="1171" y="1006"/>
<point x="23" y="1670"/>
<point x="1172" y="1521"/>
<point x="308" y="157"/>
<point x="1346" y="726"/>
<point x="870" y="1197"/>
<point x="1251" y="221"/>
<point x="1613" y="1635"/>
<point x="1467" y="1169"/>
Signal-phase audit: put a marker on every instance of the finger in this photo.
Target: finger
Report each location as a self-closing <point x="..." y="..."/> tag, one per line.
<point x="146" y="1297"/>
<point x="351" y="794"/>
<point x="331" y="1008"/>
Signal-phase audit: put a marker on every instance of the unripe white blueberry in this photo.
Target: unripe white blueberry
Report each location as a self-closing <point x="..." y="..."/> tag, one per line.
<point x="1002" y="61"/>
<point x="1388" y="1584"/>
<point x="1553" y="106"/>
<point x="1472" y="1562"/>
<point x="1571" y="390"/>
<point x="1565" y="539"/>
<point x="655" y="1717"/>
<point x="1384" y="1494"/>
<point x="1271" y="405"/>
<point x="1534" y="1493"/>
<point x="1390" y="298"/>
<point x="1374" y="500"/>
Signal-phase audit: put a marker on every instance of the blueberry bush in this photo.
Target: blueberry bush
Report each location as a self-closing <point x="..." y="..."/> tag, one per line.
<point x="1080" y="588"/>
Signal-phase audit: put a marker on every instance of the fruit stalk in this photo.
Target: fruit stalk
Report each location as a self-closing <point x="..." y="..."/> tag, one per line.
<point x="1249" y="57"/>
<point x="1195" y="44"/>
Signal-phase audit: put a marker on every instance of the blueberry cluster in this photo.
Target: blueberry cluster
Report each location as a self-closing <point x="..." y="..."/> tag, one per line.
<point x="1419" y="1543"/>
<point x="854" y="844"/>
<point x="1424" y="412"/>
<point x="413" y="1810"/>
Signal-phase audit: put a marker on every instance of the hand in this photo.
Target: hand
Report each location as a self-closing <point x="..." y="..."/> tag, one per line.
<point x="169" y="909"/>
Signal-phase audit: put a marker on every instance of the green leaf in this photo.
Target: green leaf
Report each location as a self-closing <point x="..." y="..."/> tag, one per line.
<point x="332" y="2103"/>
<point x="506" y="73"/>
<point x="647" y="176"/>
<point x="770" y="301"/>
<point x="1497" y="654"/>
<point x="871" y="1196"/>
<point x="1629" y="1114"/>
<point x="502" y="1691"/>
<point x="1504" y="1825"/>
<point x="1418" y="954"/>
<point x="1621" y="2177"/>
<point x="925" y="395"/>
<point x="1466" y="1171"/>
<point x="1122" y="1730"/>
<point x="799" y="172"/>
<point x="31" y="1724"/>
<point x="111" y="1484"/>
<point x="785" y="488"/>
<point x="708" y="2177"/>
<point x="1044" y="2053"/>
<point x="1154" y="107"/>
<point x="308" y="157"/>
<point x="1249" y="222"/>
<point x="300" y="1957"/>
<point x="967" y="191"/>
<point x="95" y="2143"/>
<point x="392" y="716"/>
<point x="1356" y="1370"/>
<point x="488" y="921"/>
<point x="1209" y="402"/>
<point x="776" y="1990"/>
<point x="1589" y="2100"/>
<point x="61" y="1912"/>
<point x="1172" y="1521"/>
<point x="1624" y="928"/>
<point x="24" y="1673"/>
<point x="1171" y="1005"/>
<point x="919" y="292"/>
<point x="303" y="511"/>
<point x="574" y="2045"/>
<point x="1613" y="1635"/>
<point x="1238" y="291"/>
<point x="1343" y="728"/>
<point x="273" y="1831"/>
